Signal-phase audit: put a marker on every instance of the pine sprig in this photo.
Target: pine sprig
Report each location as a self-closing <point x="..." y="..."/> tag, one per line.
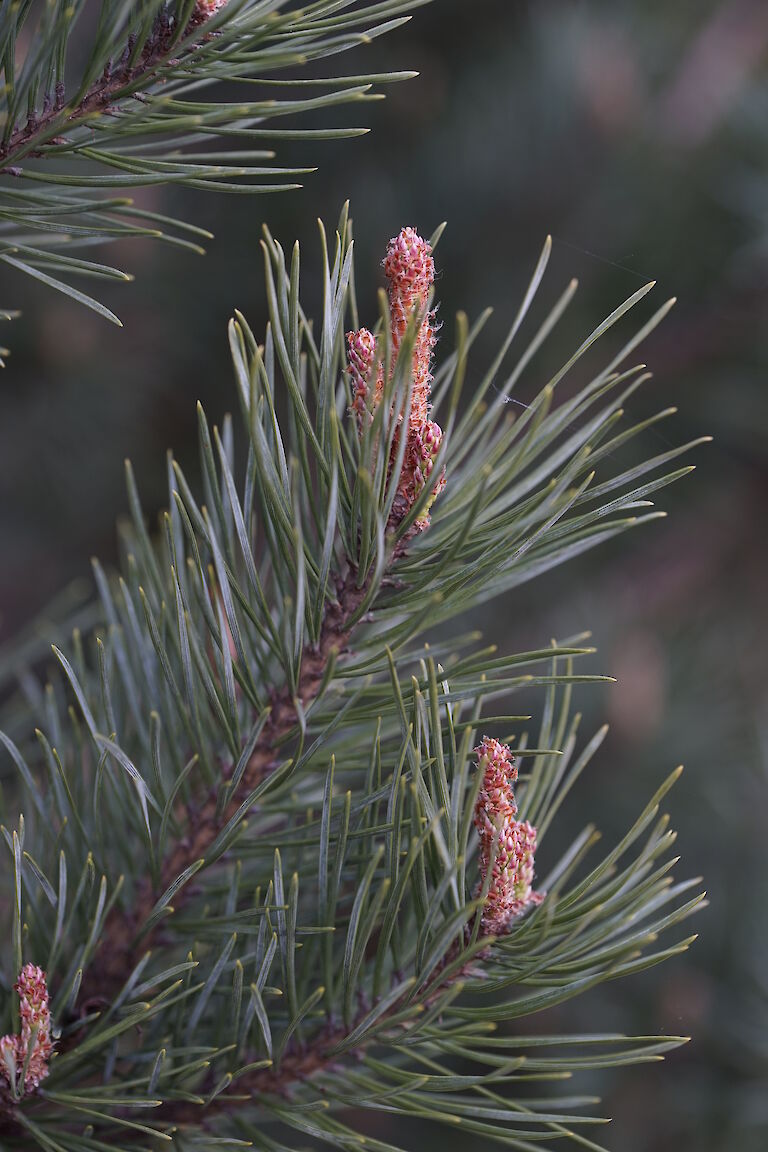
<point x="141" y="112"/>
<point x="252" y="873"/>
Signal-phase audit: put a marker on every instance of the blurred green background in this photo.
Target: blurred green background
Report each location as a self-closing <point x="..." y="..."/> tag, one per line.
<point x="637" y="134"/>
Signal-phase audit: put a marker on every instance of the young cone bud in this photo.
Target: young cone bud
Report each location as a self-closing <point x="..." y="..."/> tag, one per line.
<point x="410" y="272"/>
<point x="204" y="9"/>
<point x="34" y="1047"/>
<point x="507" y="845"/>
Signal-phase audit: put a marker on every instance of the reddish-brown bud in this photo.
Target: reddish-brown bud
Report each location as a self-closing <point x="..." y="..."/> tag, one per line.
<point x="507" y="845"/>
<point x="410" y="271"/>
<point x="34" y="1047"/>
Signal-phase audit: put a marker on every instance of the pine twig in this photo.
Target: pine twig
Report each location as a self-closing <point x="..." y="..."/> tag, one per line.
<point x="117" y="953"/>
<point x="116" y="83"/>
<point x="304" y="1062"/>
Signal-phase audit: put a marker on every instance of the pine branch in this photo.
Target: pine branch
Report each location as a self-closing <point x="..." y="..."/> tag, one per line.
<point x="135" y="115"/>
<point x="300" y="829"/>
<point x="332" y="1047"/>
<point x="119" y="81"/>
<point x="122" y="931"/>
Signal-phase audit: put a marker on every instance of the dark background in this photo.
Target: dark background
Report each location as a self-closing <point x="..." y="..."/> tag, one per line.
<point x="637" y="134"/>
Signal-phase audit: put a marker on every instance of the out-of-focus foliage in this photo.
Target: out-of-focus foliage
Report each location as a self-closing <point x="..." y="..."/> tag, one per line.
<point x="101" y="97"/>
<point x="636" y="135"/>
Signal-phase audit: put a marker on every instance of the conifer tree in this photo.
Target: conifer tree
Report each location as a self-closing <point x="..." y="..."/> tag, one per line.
<point x="277" y="851"/>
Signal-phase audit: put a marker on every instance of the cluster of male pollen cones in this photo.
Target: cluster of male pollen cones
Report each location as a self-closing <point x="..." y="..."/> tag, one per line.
<point x="410" y="271"/>
<point x="24" y="1057"/>
<point x="204" y="9"/>
<point x="507" y="845"/>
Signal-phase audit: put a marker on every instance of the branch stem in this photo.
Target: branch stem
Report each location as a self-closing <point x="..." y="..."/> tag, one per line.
<point x="117" y="954"/>
<point x="302" y="1063"/>
<point x="123" y="80"/>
